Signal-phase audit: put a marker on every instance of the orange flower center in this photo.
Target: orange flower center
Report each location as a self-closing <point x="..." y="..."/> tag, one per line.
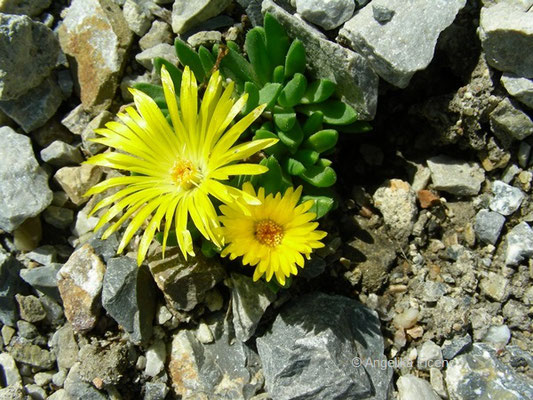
<point x="268" y="232"/>
<point x="184" y="173"/>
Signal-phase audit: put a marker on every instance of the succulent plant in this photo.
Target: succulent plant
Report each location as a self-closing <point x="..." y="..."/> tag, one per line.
<point x="302" y="112"/>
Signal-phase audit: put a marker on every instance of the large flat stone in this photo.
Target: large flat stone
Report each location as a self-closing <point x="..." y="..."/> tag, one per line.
<point x="186" y="14"/>
<point x="24" y="190"/>
<point x="95" y="34"/>
<point x="357" y="83"/>
<point x="405" y="44"/>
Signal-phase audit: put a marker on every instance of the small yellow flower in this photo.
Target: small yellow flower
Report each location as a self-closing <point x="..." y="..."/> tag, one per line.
<point x="273" y="235"/>
<point x="177" y="168"/>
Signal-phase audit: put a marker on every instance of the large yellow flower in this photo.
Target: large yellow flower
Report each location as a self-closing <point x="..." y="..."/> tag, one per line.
<point x="272" y="235"/>
<point x="176" y="167"/>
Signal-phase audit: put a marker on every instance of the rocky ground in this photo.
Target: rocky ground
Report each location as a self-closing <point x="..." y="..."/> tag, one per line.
<point x="424" y="288"/>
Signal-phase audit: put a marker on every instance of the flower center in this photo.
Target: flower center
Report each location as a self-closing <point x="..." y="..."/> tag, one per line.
<point x="184" y="173"/>
<point x="269" y="233"/>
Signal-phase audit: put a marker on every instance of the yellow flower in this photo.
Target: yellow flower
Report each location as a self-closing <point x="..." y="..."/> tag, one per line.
<point x="272" y="235"/>
<point x="177" y="168"/>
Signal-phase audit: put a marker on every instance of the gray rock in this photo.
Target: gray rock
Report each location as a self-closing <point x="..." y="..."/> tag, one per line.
<point x="13" y="392"/>
<point x="105" y="248"/>
<point x="24" y="191"/>
<point x="506" y="198"/>
<point x="509" y="123"/>
<point x="24" y="7"/>
<point x="524" y="150"/>
<point x="33" y="355"/>
<point x="155" y="391"/>
<point x="34" y="108"/>
<point x="75" y="181"/>
<point x="411" y="387"/>
<point x="516" y="315"/>
<point x="44" y="255"/>
<point x="412" y="35"/>
<point x="432" y="291"/>
<point x="76" y="388"/>
<point x="80" y="283"/>
<point x="519" y="244"/>
<point x="396" y="201"/>
<point x="249" y="301"/>
<point x="456" y="177"/>
<point x="9" y="368"/>
<point x="43" y="279"/>
<point x="323" y="346"/>
<point x="518" y="87"/>
<point x="65" y="347"/>
<point x="10" y="285"/>
<point x="224" y="369"/>
<point x="498" y="335"/>
<point x="495" y="286"/>
<point x="28" y="53"/>
<point x="89" y="132"/>
<point x="253" y="10"/>
<point x="30" y="308"/>
<point x="35" y="392"/>
<point x="76" y="120"/>
<point x="155" y="358"/>
<point x="27" y="330"/>
<point x="7" y="334"/>
<point x="108" y="362"/>
<point x="382" y="14"/>
<point x="328" y="14"/>
<point x="187" y="14"/>
<point x="59" y="217"/>
<point x="488" y="225"/>
<point x="506" y="34"/>
<point x="481" y="372"/>
<point x="184" y="283"/>
<point x="96" y="35"/>
<point x="204" y="38"/>
<point x="163" y="50"/>
<point x="61" y="154"/>
<point x="128" y="297"/>
<point x="429" y="356"/>
<point x="313" y="267"/>
<point x="60" y="394"/>
<point x="357" y="84"/>
<point x="160" y="32"/>
<point x="138" y="16"/>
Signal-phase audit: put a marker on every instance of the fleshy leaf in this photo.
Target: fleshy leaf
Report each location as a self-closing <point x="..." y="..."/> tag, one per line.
<point x="207" y="60"/>
<point x="292" y="138"/>
<point x="284" y="120"/>
<point x="255" y="46"/>
<point x="356" y="127"/>
<point x="188" y="56"/>
<point x="293" y="167"/>
<point x="322" y="140"/>
<point x="295" y="60"/>
<point x="175" y="72"/>
<point x="335" y="112"/>
<point x="319" y="176"/>
<point x="313" y="123"/>
<point x="293" y="91"/>
<point x="307" y="157"/>
<point x="235" y="67"/>
<point x="278" y="76"/>
<point x="269" y="94"/>
<point x="318" y="91"/>
<point x="276" y="150"/>
<point x="253" y="97"/>
<point x="154" y="91"/>
<point x="277" y="40"/>
<point x="322" y="204"/>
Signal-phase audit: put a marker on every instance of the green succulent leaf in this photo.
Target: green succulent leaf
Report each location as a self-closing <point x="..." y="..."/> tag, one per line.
<point x="322" y="204"/>
<point x="322" y="140"/>
<point x="293" y="166"/>
<point x="208" y="248"/>
<point x="318" y="91"/>
<point x="234" y="46"/>
<point x="356" y="127"/>
<point x="277" y="40"/>
<point x="154" y="91"/>
<point x="255" y="46"/>
<point x="295" y="60"/>
<point x="278" y="76"/>
<point x="253" y="97"/>
<point x="206" y="59"/>
<point x="272" y="180"/>
<point x="175" y="72"/>
<point x="235" y="67"/>
<point x="307" y="157"/>
<point x="284" y="121"/>
<point x="267" y="125"/>
<point x="319" y="176"/>
<point x="335" y="112"/>
<point x="276" y="150"/>
<point x="293" y="91"/>
<point x="188" y="56"/>
<point x="313" y="123"/>
<point x="292" y="138"/>
<point x="269" y="94"/>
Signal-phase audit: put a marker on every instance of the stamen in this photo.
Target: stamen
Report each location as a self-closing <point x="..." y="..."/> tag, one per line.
<point x="184" y="173"/>
<point x="269" y="233"/>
